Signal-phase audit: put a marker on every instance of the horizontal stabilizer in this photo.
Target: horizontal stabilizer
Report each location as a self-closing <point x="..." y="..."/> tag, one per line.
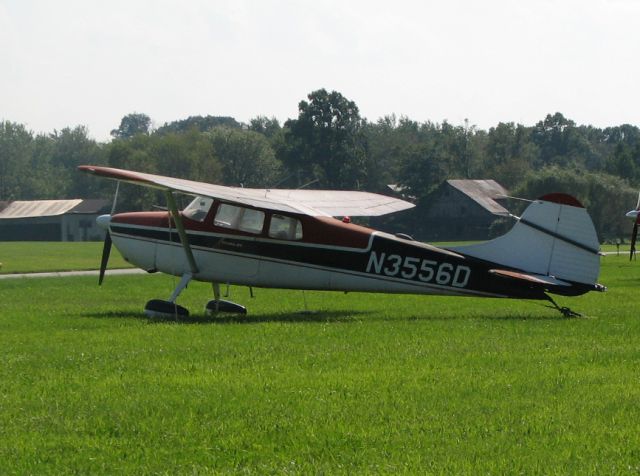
<point x="531" y="278"/>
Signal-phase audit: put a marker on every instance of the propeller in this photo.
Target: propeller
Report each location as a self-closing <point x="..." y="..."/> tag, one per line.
<point x="634" y="233"/>
<point x="106" y="251"/>
<point x="103" y="222"/>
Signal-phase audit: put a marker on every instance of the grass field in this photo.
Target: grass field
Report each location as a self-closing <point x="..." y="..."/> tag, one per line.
<point x="21" y="257"/>
<point x="365" y="384"/>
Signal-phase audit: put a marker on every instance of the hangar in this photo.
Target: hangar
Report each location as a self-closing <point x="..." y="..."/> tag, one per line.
<point x="463" y="210"/>
<point x="52" y="220"/>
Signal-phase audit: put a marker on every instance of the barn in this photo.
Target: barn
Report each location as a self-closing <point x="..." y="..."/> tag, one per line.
<point x="462" y="210"/>
<point x="52" y="220"/>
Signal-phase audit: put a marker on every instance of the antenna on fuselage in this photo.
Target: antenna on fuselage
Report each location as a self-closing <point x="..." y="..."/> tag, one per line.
<point x="307" y="184"/>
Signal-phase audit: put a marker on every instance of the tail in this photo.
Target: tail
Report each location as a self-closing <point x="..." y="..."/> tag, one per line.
<point x="553" y="238"/>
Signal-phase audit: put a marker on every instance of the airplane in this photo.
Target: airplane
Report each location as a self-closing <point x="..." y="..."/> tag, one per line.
<point x="635" y="214"/>
<point x="295" y="239"/>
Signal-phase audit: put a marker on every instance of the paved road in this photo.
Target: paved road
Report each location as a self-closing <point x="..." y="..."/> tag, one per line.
<point x="63" y="274"/>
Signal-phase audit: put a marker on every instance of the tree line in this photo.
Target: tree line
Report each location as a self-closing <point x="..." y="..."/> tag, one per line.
<point x="329" y="145"/>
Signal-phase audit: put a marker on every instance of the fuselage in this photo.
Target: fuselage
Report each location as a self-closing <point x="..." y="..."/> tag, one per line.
<point x="263" y="248"/>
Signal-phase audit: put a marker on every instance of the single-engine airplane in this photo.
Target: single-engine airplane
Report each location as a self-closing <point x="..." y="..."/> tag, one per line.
<point x="291" y="239"/>
<point x="635" y="214"/>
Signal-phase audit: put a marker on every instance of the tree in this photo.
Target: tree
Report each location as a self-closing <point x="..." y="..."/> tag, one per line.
<point x="385" y="148"/>
<point x="509" y="153"/>
<point x="199" y="123"/>
<point x="327" y="142"/>
<point x="131" y="125"/>
<point x="562" y="143"/>
<point x="424" y="167"/>
<point x="15" y="154"/>
<point x="133" y="154"/>
<point x="606" y="197"/>
<point x="623" y="162"/>
<point x="246" y="157"/>
<point x="265" y="126"/>
<point x="73" y="147"/>
<point x="190" y="156"/>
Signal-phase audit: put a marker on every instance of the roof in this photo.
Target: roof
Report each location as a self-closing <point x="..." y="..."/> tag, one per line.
<point x="92" y="205"/>
<point x="483" y="192"/>
<point x="48" y="208"/>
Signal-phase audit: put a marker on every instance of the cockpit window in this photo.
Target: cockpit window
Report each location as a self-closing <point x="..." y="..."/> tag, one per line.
<point x="197" y="210"/>
<point x="239" y="218"/>
<point x="285" y="228"/>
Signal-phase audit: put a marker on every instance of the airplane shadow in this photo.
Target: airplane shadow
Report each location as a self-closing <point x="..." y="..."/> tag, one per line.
<point x="323" y="316"/>
<point x="301" y="316"/>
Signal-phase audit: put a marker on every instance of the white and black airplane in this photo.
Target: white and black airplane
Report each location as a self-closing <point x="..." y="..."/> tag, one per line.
<point x="291" y="239"/>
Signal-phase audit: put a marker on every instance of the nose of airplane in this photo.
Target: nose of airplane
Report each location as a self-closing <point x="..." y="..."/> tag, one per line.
<point x="632" y="214"/>
<point x="103" y="221"/>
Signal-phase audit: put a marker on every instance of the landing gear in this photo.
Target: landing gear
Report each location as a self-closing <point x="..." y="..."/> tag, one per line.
<point x="217" y="305"/>
<point x="161" y="308"/>
<point x="169" y="309"/>
<point x="220" y="305"/>
<point x="565" y="311"/>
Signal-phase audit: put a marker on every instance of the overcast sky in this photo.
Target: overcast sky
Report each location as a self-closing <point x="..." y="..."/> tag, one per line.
<point x="88" y="62"/>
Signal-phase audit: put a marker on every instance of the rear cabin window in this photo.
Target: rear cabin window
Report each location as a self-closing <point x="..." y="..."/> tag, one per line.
<point x="285" y="228"/>
<point x="197" y="210"/>
<point x="239" y="218"/>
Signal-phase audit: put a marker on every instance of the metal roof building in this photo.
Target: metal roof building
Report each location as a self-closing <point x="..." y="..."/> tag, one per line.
<point x="484" y="193"/>
<point x="51" y="220"/>
<point x="462" y="210"/>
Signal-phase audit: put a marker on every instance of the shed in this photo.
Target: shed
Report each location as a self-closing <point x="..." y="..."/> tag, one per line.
<point x="462" y="210"/>
<point x="52" y="220"/>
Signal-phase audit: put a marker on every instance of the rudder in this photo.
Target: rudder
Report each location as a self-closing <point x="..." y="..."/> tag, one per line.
<point x="554" y="237"/>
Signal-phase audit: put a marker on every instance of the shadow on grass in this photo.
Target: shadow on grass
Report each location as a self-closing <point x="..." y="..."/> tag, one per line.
<point x="327" y="316"/>
<point x="302" y="316"/>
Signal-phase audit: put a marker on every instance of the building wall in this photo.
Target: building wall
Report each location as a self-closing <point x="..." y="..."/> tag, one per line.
<point x="72" y="227"/>
<point x="81" y="227"/>
<point x="30" y="229"/>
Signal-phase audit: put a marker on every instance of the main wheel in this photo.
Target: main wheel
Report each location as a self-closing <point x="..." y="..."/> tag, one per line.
<point x="160" y="308"/>
<point x="215" y="306"/>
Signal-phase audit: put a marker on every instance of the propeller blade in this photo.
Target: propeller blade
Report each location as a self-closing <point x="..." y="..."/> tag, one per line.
<point x="106" y="251"/>
<point x="634" y="235"/>
<point x="638" y="204"/>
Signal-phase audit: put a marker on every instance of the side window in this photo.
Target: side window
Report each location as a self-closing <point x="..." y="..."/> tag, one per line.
<point x="198" y="208"/>
<point x="285" y="228"/>
<point x="239" y="218"/>
<point x="251" y="221"/>
<point x="227" y="216"/>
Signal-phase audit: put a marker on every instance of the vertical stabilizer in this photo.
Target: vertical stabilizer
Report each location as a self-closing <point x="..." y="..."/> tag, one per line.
<point x="554" y="237"/>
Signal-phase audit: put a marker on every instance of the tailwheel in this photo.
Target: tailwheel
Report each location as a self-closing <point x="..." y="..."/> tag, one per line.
<point x="565" y="311"/>
<point x="160" y="308"/>
<point x="216" y="306"/>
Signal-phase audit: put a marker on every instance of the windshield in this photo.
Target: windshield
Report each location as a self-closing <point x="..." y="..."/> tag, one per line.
<point x="197" y="210"/>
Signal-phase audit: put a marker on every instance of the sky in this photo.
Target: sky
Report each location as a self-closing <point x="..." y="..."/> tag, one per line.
<point x="66" y="63"/>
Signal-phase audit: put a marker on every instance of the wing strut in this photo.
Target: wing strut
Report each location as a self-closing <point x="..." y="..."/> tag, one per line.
<point x="181" y="231"/>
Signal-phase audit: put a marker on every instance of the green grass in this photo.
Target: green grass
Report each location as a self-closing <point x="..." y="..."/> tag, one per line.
<point x="31" y="257"/>
<point x="364" y="384"/>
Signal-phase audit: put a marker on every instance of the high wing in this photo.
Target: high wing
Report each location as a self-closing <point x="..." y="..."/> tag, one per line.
<point x="308" y="202"/>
